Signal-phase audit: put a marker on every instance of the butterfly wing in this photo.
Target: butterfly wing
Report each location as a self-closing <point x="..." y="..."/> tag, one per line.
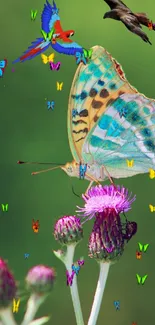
<point x="94" y="86"/>
<point x="145" y="247"/>
<point x="44" y="58"/>
<point x="51" y="57"/>
<point x="35" y="14"/>
<point x="140" y="247"/>
<point x="138" y="278"/>
<point x="118" y="123"/>
<point x="144" y="278"/>
<point x="58" y="85"/>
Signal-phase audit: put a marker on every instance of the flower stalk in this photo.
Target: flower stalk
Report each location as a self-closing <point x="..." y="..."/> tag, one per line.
<point x="33" y="305"/>
<point x="7" y="316"/>
<point x="104" y="270"/>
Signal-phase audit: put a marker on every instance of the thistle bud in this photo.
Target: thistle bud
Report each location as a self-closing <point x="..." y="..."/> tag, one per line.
<point x="68" y="230"/>
<point x="40" y="279"/>
<point x="8" y="287"/>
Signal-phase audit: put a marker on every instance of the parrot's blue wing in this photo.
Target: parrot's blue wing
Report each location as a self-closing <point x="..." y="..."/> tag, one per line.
<point x="67" y="48"/>
<point x="49" y="16"/>
<point x="36" y="48"/>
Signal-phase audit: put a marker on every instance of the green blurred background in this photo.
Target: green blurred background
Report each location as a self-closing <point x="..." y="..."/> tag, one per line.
<point x="30" y="132"/>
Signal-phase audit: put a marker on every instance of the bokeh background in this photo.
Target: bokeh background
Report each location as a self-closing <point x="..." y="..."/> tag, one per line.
<point x="28" y="131"/>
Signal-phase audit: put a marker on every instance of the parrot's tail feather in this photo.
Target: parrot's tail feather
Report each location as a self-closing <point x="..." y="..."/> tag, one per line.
<point x="36" y="48"/>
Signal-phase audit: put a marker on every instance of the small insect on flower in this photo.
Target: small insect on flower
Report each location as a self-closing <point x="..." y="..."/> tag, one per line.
<point x="130" y="230"/>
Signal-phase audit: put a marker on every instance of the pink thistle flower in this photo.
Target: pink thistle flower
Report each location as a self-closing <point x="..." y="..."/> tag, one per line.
<point x="8" y="286"/>
<point x="101" y="197"/>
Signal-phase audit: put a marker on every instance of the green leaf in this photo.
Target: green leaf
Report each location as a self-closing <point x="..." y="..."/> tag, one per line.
<point x="138" y="278"/>
<point x="140" y="247"/>
<point x="144" y="278"/>
<point x="40" y="321"/>
<point x="145" y="247"/>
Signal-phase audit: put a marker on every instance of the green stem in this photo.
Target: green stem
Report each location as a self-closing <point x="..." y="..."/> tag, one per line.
<point x="7" y="316"/>
<point x="33" y="305"/>
<point x="104" y="270"/>
<point x="74" y="288"/>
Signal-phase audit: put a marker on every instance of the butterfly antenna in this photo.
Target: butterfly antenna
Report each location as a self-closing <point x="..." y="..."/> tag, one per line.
<point x="19" y="162"/>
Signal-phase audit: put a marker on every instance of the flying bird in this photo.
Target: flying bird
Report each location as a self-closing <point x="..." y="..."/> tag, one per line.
<point x="133" y="21"/>
<point x="53" y="35"/>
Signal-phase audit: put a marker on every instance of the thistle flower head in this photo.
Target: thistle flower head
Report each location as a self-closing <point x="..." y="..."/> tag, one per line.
<point x="105" y="203"/>
<point x="40" y="279"/>
<point x="8" y="287"/>
<point x="68" y="230"/>
<point x="101" y="197"/>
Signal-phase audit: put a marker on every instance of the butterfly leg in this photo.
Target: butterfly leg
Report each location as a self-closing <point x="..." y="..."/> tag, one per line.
<point x="88" y="188"/>
<point x="110" y="179"/>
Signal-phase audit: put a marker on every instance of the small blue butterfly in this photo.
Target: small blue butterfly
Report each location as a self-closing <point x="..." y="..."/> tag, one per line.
<point x="26" y="255"/>
<point x="50" y="105"/>
<point x="117" y="305"/>
<point x="76" y="269"/>
<point x="82" y="170"/>
<point x="80" y="58"/>
<point x="3" y="64"/>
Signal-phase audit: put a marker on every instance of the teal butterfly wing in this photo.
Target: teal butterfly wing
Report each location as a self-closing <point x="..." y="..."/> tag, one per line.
<point x="114" y="122"/>
<point x="115" y="138"/>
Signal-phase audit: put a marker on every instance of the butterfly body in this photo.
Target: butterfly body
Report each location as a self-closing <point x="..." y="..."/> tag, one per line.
<point x="3" y="64"/>
<point x="5" y="207"/>
<point x="99" y="135"/>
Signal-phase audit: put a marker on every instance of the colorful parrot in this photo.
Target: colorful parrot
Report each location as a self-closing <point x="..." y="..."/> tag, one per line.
<point x="53" y="35"/>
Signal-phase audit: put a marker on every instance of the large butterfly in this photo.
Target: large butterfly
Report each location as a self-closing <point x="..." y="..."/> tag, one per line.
<point x="113" y="122"/>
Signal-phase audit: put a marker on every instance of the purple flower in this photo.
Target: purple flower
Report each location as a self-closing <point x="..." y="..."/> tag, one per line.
<point x="8" y="287"/>
<point x="40" y="279"/>
<point x="101" y="197"/>
<point x="68" y="230"/>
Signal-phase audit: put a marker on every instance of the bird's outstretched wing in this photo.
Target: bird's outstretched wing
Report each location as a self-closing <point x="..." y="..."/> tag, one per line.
<point x="49" y="17"/>
<point x="36" y="48"/>
<point x="67" y="48"/>
<point x="132" y="23"/>
<point x="113" y="4"/>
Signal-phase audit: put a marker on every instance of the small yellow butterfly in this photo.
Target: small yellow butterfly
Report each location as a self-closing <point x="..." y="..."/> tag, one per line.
<point x="152" y="208"/>
<point x="152" y="173"/>
<point x="59" y="85"/>
<point x="46" y="59"/>
<point x="130" y="163"/>
<point x="16" y="305"/>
